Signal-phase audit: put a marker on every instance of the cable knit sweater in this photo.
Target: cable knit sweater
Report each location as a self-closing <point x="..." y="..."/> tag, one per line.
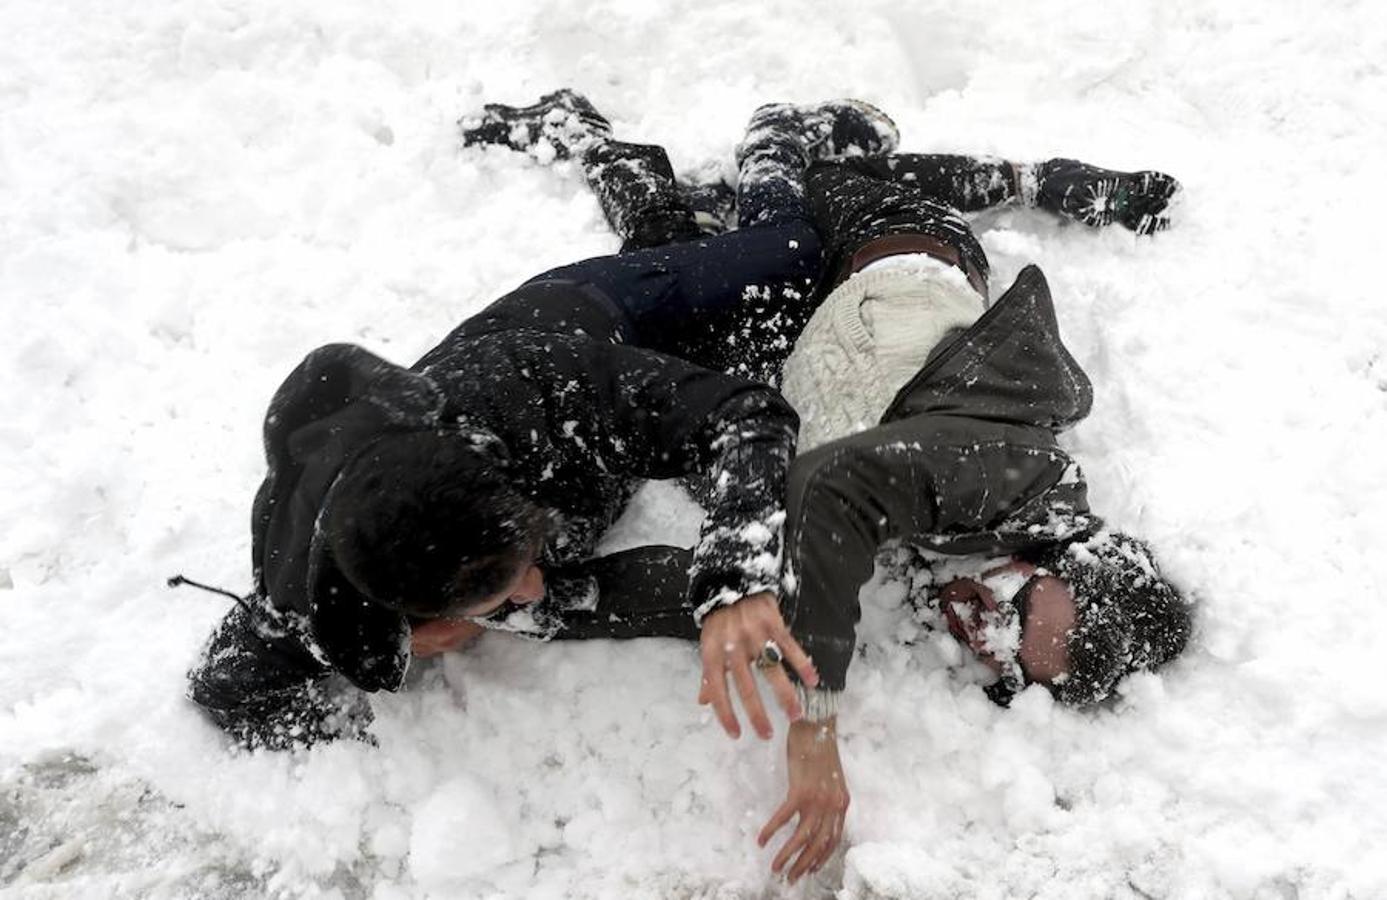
<point x="870" y="337"/>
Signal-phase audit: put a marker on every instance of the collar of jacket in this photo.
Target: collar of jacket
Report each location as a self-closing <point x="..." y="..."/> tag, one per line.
<point x="1009" y="366"/>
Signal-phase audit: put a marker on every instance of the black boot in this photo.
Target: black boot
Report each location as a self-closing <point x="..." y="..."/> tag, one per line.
<point x="783" y="138"/>
<point x="1138" y="201"/>
<point x="828" y="130"/>
<point x="636" y="187"/>
<point x="560" y="125"/>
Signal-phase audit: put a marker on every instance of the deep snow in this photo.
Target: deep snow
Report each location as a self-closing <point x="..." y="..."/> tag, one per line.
<point x="193" y="195"/>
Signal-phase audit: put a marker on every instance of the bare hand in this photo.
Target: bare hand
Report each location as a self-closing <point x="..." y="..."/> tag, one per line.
<point x="733" y="637"/>
<point x="441" y="635"/>
<point x="818" y="794"/>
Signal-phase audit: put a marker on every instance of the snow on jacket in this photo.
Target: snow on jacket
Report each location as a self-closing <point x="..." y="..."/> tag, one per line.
<point x="581" y="416"/>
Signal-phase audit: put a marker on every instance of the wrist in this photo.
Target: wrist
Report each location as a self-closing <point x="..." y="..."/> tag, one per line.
<point x="825" y="728"/>
<point x="818" y="704"/>
<point x="1025" y="182"/>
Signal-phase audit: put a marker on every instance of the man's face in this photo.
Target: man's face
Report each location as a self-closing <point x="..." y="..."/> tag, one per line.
<point x="972" y="608"/>
<point x="434" y="636"/>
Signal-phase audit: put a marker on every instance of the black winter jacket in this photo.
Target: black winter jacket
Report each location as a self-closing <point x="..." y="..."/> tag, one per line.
<point x="542" y="378"/>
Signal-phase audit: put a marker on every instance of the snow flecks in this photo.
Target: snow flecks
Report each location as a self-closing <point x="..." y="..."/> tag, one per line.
<point x="1250" y="768"/>
<point x="757" y="534"/>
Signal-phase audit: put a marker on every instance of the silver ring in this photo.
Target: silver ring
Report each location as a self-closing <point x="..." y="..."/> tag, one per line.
<point x="770" y="656"/>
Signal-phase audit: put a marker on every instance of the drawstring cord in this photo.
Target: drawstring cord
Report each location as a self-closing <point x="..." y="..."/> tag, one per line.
<point x="266" y="623"/>
<point x="277" y="626"/>
<point x="181" y="581"/>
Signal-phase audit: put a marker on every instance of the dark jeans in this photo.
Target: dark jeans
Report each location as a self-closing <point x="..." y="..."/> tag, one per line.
<point x="734" y="302"/>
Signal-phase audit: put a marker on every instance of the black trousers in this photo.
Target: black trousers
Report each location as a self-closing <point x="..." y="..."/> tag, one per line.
<point x="733" y="303"/>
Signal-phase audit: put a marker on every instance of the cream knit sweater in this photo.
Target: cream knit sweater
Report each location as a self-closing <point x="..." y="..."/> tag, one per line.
<point x="868" y="339"/>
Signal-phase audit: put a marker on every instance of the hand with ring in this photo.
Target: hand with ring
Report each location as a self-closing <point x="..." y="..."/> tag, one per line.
<point x="736" y="637"/>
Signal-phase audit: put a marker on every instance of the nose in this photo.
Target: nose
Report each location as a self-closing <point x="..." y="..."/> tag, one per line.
<point x="531" y="587"/>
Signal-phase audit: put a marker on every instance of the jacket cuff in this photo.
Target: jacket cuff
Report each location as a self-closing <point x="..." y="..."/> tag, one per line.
<point x="727" y="596"/>
<point x="818" y="704"/>
<point x="1027" y="183"/>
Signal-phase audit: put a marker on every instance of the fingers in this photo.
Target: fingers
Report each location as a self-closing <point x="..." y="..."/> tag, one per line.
<point x="776" y="822"/>
<point x="732" y="638"/>
<point x="987" y="598"/>
<point x="830" y="839"/>
<point x="815" y="853"/>
<point x="799" y="660"/>
<point x="808" y="827"/>
<point x="819" y="844"/>
<point x="714" y="691"/>
<point x="813" y="841"/>
<point x="751" y="698"/>
<point x="785" y="694"/>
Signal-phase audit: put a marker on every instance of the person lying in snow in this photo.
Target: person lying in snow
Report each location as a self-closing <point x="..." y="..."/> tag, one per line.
<point x="928" y="418"/>
<point x="480" y="479"/>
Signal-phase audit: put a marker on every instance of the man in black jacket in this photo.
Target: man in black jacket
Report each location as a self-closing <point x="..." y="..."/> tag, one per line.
<point x="478" y="481"/>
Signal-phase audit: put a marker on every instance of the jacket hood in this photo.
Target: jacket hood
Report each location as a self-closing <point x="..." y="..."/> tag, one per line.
<point x="1009" y="366"/>
<point x="338" y="402"/>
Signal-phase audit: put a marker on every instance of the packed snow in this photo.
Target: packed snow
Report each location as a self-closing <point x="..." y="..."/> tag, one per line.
<point x="194" y="195"/>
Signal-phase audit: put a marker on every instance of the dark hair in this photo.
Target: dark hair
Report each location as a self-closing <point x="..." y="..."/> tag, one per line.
<point x="426" y="522"/>
<point x="1129" y="618"/>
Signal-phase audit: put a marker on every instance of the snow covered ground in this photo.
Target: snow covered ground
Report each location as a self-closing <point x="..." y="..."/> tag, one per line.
<point x="193" y="195"/>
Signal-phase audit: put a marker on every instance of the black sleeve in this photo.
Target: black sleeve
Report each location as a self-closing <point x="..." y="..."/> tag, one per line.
<point x="576" y="413"/>
<point x="904" y="480"/>
<point x="655" y="416"/>
<point x="642" y="592"/>
<point x="260" y="686"/>
<point x="965" y="183"/>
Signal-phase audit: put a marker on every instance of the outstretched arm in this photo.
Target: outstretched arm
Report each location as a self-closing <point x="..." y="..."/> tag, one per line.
<point x="965" y="183"/>
<point x="1138" y="201"/>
